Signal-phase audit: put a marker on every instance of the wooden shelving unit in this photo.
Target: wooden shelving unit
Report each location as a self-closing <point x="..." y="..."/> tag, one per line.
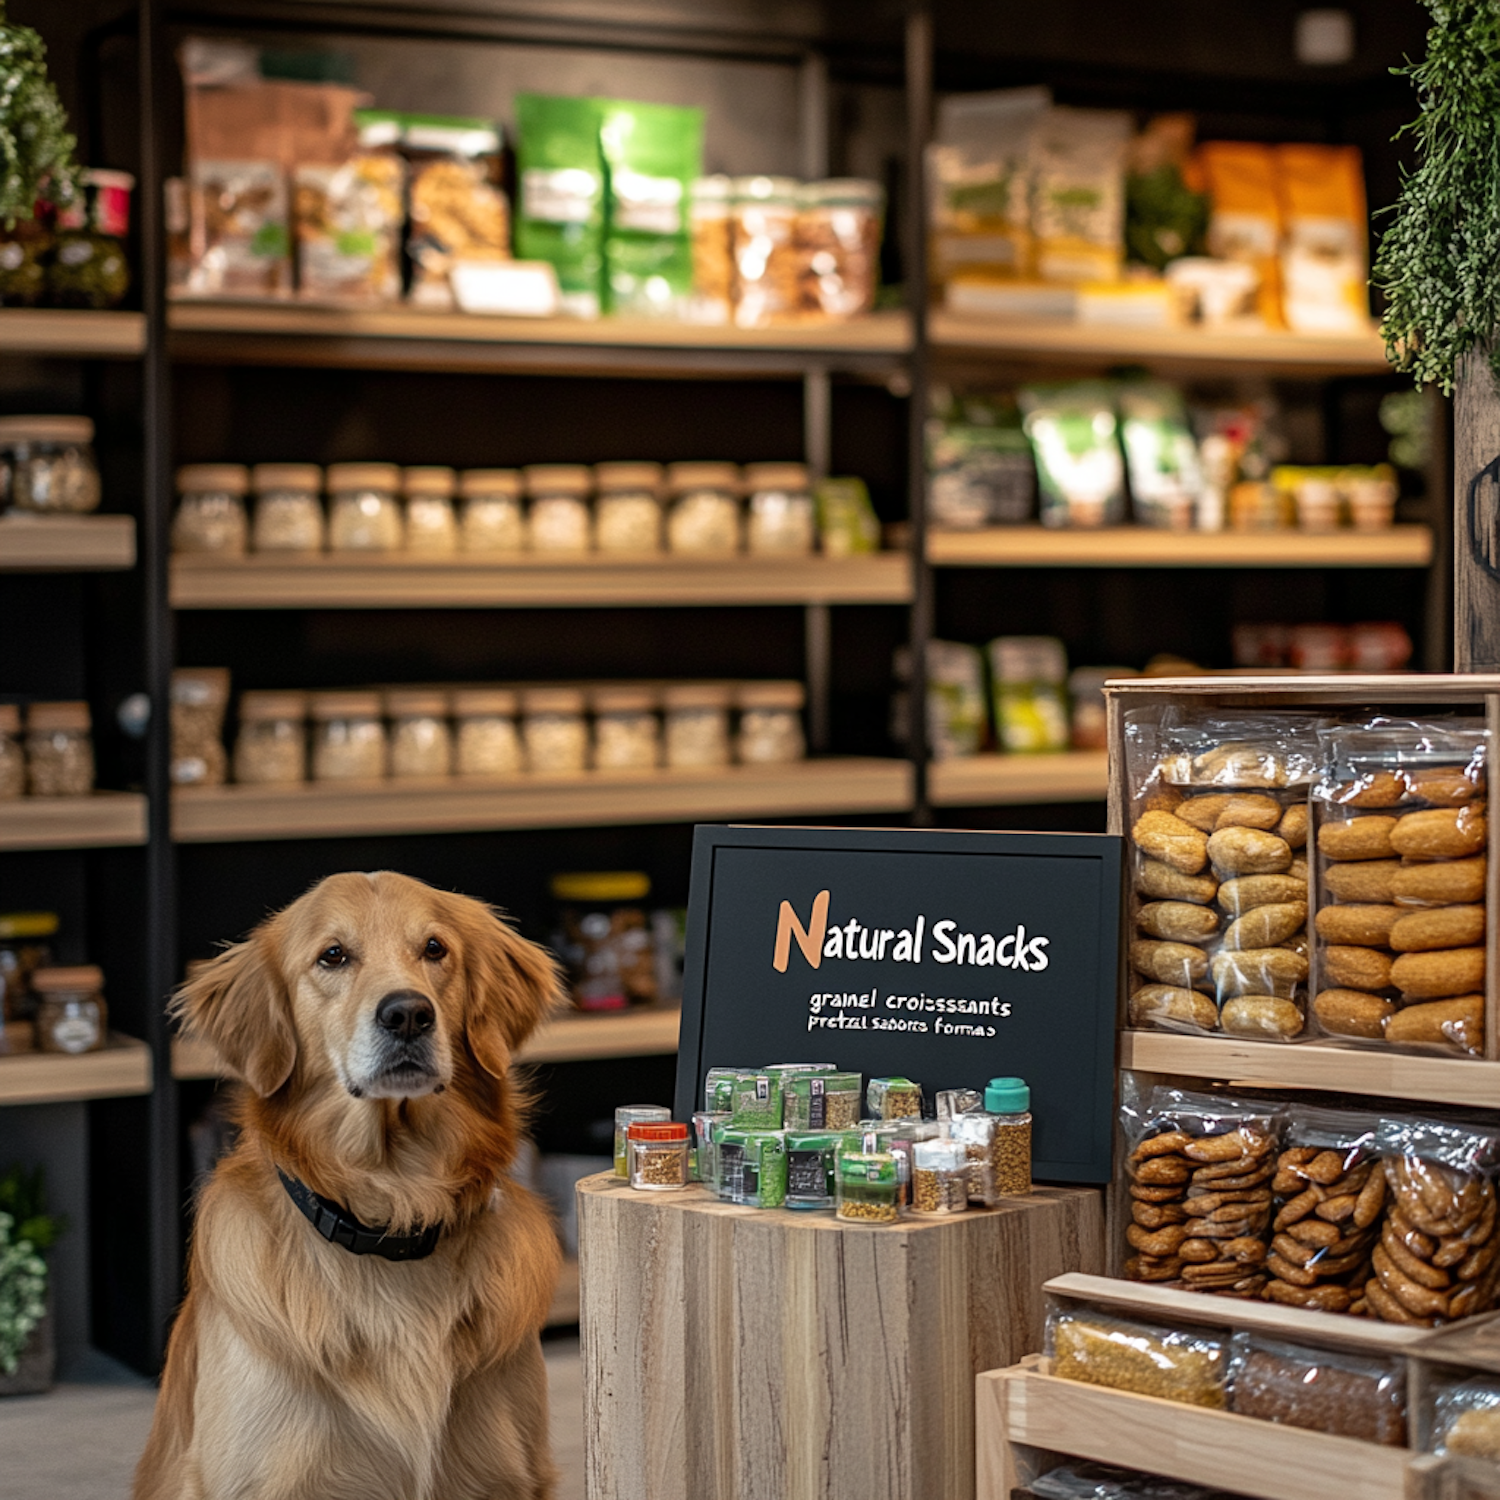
<point x="347" y="582"/>
<point x="66" y="544"/>
<point x="99" y="821"/>
<point x="1012" y="780"/>
<point x="122" y="1067"/>
<point x="69" y="333"/>
<point x="1145" y="547"/>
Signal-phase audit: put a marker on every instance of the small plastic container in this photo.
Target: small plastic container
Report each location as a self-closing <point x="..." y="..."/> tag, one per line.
<point x="431" y="526"/>
<point x="486" y="740"/>
<point x="627" y="510"/>
<point x="557" y="516"/>
<point x="47" y="465"/>
<point x="421" y="742"/>
<point x="866" y="1189"/>
<point x="72" y="1016"/>
<point x="1009" y="1101"/>
<point x="903" y="1144"/>
<point x="706" y="1125"/>
<point x="627" y="732"/>
<point x="271" y="747"/>
<point x="658" y="1156"/>
<point x="779" y="515"/>
<point x="211" y="516"/>
<point x="12" y="753"/>
<point x="752" y="1167"/>
<point x="810" y="1159"/>
<point x="627" y="1115"/>
<point x="939" y="1178"/>
<point x="491" y="517"/>
<point x="838" y="246"/>
<point x="893" y="1099"/>
<point x="703" y="519"/>
<point x="697" y="724"/>
<point x="821" y="1101"/>
<point x="364" y="512"/>
<point x="288" y="513"/>
<point x="554" y="730"/>
<point x="348" y="742"/>
<point x="977" y="1132"/>
<point x="770" y="725"/>
<point x="59" y="750"/>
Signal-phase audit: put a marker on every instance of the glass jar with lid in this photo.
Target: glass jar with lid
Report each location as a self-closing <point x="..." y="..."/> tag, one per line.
<point x="288" y="510"/>
<point x="697" y="724"/>
<point x="486" y="740"/>
<point x="780" y="516"/>
<point x="492" y="519"/>
<point x="364" y="514"/>
<point x="211" y="513"/>
<point x="627" y="734"/>
<point x="627" y="1115"/>
<point x="59" y="750"/>
<point x="939" y="1178"/>
<point x="770" y="728"/>
<point x="557" y="518"/>
<point x="271" y="747"/>
<point x="72" y="1016"/>
<point x="431" y="527"/>
<point x="12" y="756"/>
<point x="554" y="730"/>
<point x="627" y="512"/>
<point x="866" y="1188"/>
<point x="421" y="742"/>
<point x="703" y="518"/>
<point x="658" y="1155"/>
<point x="348" y="742"/>
<point x="838" y="246"/>
<point x="47" y="465"/>
<point x="763" y="229"/>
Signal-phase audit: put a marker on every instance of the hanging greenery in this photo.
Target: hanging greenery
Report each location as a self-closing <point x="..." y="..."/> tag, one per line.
<point x="1438" y="259"/>
<point x="36" y="148"/>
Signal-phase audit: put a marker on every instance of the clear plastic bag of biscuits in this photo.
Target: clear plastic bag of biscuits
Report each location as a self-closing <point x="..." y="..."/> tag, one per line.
<point x="1401" y="919"/>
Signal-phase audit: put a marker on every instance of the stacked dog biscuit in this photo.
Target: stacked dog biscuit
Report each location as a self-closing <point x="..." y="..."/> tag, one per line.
<point x="1328" y="1207"/>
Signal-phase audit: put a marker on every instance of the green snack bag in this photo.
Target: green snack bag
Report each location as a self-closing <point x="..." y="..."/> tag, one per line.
<point x="847" y="522"/>
<point x="1161" y="457"/>
<point x="1080" y="475"/>
<point x="755" y="1102"/>
<point x="560" y="173"/>
<point x="652" y="153"/>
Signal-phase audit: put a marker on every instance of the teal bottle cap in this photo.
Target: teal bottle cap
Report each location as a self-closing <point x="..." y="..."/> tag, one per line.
<point x="1007" y="1096"/>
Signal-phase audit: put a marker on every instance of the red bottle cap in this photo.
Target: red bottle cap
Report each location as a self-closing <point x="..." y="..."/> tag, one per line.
<point x="658" y="1130"/>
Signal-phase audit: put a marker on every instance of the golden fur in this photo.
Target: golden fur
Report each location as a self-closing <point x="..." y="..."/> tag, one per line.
<point x="296" y="1369"/>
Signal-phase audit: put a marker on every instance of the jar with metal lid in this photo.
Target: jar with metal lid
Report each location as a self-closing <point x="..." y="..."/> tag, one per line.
<point x="364" y="514"/>
<point x="770" y="728"/>
<point x="697" y="724"/>
<point x="627" y="734"/>
<point x="557" y="518"/>
<point x="211" y="513"/>
<point x="703" y="518"/>
<point x="486" y="740"/>
<point x="431" y="527"/>
<point x="658" y="1155"/>
<point x="12" y="756"/>
<point x="627" y="1115"/>
<point x="939" y="1178"/>
<point x="492" y="519"/>
<point x="288" y="511"/>
<point x="72" y="1016"/>
<point x="554" y="730"/>
<point x="763" y="218"/>
<point x="421" y="742"/>
<point x="779" y="522"/>
<point x="59" y="750"/>
<point x="348" y="741"/>
<point x="627" y="513"/>
<point x="47" y="465"/>
<point x="271" y="747"/>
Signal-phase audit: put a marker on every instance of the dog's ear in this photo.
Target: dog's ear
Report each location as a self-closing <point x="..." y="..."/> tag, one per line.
<point x="512" y="985"/>
<point x="239" y="1003"/>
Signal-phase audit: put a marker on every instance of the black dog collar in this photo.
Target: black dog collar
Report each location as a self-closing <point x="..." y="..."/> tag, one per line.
<point x="339" y="1227"/>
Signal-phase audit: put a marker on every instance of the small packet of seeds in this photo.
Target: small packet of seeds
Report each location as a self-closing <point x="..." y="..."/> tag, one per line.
<point x="894" y="1099"/>
<point x="755" y="1102"/>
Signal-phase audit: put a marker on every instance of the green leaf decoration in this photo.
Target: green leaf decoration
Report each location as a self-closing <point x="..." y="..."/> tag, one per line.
<point x="36" y="147"/>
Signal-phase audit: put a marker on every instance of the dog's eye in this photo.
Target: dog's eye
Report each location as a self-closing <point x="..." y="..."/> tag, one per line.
<point x="333" y="957"/>
<point x="434" y="949"/>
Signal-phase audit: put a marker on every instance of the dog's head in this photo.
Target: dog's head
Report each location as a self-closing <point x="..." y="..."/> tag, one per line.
<point x="377" y="980"/>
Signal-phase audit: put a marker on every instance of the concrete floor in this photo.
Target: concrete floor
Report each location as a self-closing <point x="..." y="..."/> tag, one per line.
<point x="82" y="1439"/>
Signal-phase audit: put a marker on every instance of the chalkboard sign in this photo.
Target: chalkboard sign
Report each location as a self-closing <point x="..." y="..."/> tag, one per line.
<point x="949" y="957"/>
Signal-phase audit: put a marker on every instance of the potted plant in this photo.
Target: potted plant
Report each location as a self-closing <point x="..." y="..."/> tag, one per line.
<point x="28" y="1351"/>
<point x="36" y="148"/>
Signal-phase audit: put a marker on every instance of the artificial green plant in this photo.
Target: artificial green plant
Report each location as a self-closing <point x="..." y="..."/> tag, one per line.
<point x="26" y="1229"/>
<point x="36" y="147"/>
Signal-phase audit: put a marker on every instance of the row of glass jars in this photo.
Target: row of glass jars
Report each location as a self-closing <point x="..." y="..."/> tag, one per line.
<point x="622" y="509"/>
<point x="52" y="755"/>
<point x="427" y="732"/>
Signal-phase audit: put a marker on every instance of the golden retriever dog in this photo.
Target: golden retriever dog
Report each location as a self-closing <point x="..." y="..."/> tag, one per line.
<point x="367" y="1287"/>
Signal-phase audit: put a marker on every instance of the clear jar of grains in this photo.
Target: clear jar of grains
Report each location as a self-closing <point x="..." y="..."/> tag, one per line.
<point x="554" y="729"/>
<point x="627" y="512"/>
<point x="770" y="728"/>
<point x="431" y="527"/>
<point x="697" y="724"/>
<point x="364" y="514"/>
<point x="348" y="742"/>
<point x="486" y="740"/>
<point x="288" y="512"/>
<point x="939" y="1178"/>
<point x="558" y="517"/>
<point x="627" y="734"/>
<point x="211" y="513"/>
<point x="59" y="750"/>
<point x="492" y="519"/>
<point x="704" y="516"/>
<point x="12" y="756"/>
<point x="271" y="747"/>
<point x="779" y="520"/>
<point x="421" y="742"/>
<point x="72" y="1016"/>
<point x="658" y="1155"/>
<point x="47" y="465"/>
<point x="627" y="1115"/>
<point x="865" y="1187"/>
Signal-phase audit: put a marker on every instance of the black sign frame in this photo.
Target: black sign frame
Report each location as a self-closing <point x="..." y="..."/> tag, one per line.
<point x="1090" y="1048"/>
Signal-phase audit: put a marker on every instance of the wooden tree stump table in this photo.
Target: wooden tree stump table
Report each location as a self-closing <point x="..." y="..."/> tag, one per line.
<point x="764" y="1354"/>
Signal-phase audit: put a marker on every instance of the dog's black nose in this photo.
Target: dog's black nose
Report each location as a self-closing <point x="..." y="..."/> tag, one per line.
<point x="406" y="1014"/>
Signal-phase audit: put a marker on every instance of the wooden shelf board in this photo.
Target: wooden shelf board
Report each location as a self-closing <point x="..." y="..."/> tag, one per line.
<point x="101" y="820"/>
<point x="266" y="582"/>
<point x="1036" y="340"/>
<point x="121" y="1067"/>
<point x="65" y="544"/>
<point x="803" y="789"/>
<point x="1147" y="547"/>
<point x="1010" y="780"/>
<point x="1356" y="1070"/>
<point x="565" y="1297"/>
<point x="48" y="331"/>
